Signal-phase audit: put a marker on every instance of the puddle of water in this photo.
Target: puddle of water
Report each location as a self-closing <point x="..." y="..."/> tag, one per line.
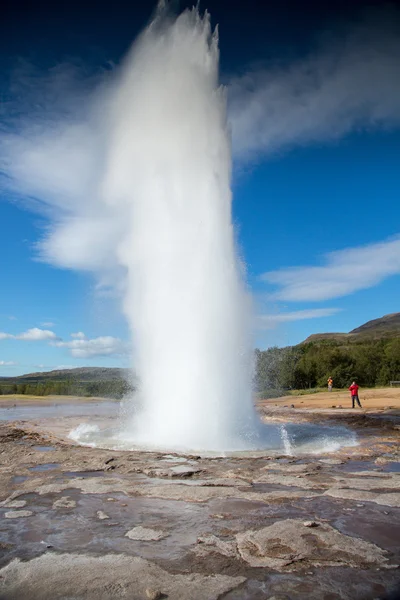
<point x="19" y="478"/>
<point x="391" y="467"/>
<point x="44" y="448"/>
<point x="299" y="439"/>
<point x="45" y="467"/>
<point x="85" y="474"/>
<point x="358" y="465"/>
<point x="77" y="409"/>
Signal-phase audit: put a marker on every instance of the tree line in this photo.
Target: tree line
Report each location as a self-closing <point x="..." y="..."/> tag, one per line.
<point x="369" y="362"/>
<point x="116" y="388"/>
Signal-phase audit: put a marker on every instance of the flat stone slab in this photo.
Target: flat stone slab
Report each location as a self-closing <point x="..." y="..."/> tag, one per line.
<point x="212" y="542"/>
<point x="15" y="504"/>
<point x="64" y="502"/>
<point x="59" y="576"/>
<point x="17" y="514"/>
<point x="289" y="543"/>
<point x="145" y="534"/>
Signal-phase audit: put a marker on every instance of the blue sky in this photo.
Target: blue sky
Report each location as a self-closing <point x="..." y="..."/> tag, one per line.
<point x="316" y="193"/>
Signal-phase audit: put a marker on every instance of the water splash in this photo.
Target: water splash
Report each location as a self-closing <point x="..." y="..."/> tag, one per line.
<point x="168" y="170"/>
<point x="286" y="441"/>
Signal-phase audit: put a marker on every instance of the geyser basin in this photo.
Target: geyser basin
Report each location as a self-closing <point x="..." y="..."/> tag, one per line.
<point x="292" y="439"/>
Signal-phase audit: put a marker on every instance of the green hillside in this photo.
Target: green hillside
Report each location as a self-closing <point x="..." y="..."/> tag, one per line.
<point x="370" y="354"/>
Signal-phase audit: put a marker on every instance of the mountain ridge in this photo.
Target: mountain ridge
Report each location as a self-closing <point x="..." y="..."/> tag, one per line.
<point x="383" y="327"/>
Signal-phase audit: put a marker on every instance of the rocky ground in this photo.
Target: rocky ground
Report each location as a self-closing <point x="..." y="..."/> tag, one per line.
<point x="96" y="524"/>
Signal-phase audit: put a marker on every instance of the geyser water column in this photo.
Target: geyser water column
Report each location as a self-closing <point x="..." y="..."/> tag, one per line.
<point x="168" y="170"/>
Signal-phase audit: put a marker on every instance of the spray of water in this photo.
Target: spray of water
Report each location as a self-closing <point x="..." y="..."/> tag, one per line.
<point x="168" y="171"/>
<point x="286" y="441"/>
<point x="138" y="182"/>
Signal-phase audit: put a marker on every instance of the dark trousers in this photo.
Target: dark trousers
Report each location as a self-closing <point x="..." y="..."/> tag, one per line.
<point x="355" y="399"/>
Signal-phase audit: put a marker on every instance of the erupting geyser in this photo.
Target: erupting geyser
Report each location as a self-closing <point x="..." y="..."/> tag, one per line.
<point x="168" y="170"/>
<point x="138" y="181"/>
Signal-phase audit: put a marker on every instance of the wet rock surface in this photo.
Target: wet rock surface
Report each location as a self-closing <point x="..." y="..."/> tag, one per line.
<point x="91" y="523"/>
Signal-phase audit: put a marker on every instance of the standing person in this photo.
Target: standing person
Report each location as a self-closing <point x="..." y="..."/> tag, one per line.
<point x="330" y="384"/>
<point x="354" y="395"/>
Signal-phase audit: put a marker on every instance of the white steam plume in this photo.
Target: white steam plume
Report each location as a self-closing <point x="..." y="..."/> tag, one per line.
<point x="141" y="181"/>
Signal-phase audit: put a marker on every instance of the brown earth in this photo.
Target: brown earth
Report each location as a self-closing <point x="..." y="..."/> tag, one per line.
<point x="371" y="399"/>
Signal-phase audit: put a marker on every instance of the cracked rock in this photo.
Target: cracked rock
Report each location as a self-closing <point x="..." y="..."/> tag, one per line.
<point x="286" y="542"/>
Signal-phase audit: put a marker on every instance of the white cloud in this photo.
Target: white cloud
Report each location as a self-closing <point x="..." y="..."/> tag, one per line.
<point x="31" y="335"/>
<point x="55" y="127"/>
<point x="47" y="324"/>
<point x="349" y="83"/>
<point x="7" y="363"/>
<point x="345" y="272"/>
<point x="36" y="334"/>
<point x="12" y="318"/>
<point x="271" y="321"/>
<point x="79" y="347"/>
<point x="88" y="348"/>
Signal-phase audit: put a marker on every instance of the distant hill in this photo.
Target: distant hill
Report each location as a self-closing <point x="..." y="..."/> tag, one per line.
<point x="386" y="326"/>
<point x="81" y="375"/>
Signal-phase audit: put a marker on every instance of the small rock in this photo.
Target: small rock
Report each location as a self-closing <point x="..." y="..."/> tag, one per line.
<point x="183" y="471"/>
<point x="360" y="505"/>
<point x="15" y="503"/>
<point x="144" y="534"/>
<point x="106" y="462"/>
<point x="310" y="524"/>
<point x="153" y="594"/>
<point x="292" y="406"/>
<point x="385" y="512"/>
<point x="16" y="514"/>
<point x="64" y="502"/>
<point x="102" y="515"/>
<point x="124" y="504"/>
<point x="111" y="500"/>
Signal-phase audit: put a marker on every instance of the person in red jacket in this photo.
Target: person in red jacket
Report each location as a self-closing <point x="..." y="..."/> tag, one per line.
<point x="354" y="395"/>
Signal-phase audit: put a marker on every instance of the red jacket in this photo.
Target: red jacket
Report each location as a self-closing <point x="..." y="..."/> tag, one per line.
<point x="354" y="389"/>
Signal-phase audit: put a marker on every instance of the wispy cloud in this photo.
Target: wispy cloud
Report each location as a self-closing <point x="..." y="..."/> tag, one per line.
<point x="271" y="321"/>
<point x="351" y="81"/>
<point x="7" y="363"/>
<point x="83" y="347"/>
<point x="79" y="346"/>
<point x="54" y="131"/>
<point x="47" y="324"/>
<point x="31" y="335"/>
<point x="344" y="272"/>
